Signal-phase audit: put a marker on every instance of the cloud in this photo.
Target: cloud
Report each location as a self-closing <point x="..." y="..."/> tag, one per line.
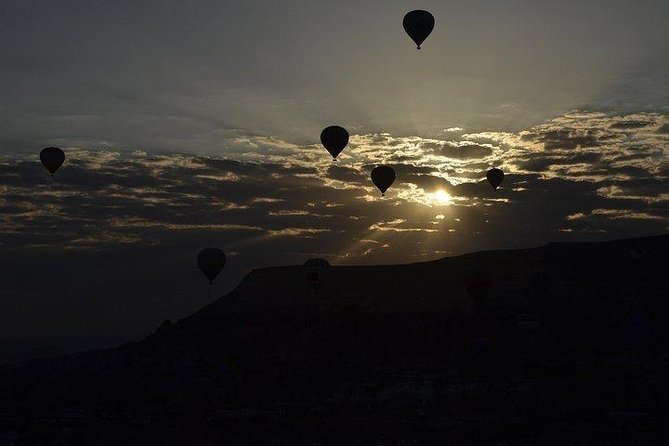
<point x="345" y="174"/>
<point x="663" y="129"/>
<point x="563" y="139"/>
<point x="463" y="151"/>
<point x="617" y="214"/>
<point x="141" y="218"/>
<point x="299" y="192"/>
<point x="629" y="125"/>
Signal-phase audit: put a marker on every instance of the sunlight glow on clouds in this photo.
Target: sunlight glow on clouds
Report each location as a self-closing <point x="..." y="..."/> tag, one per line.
<point x="593" y="171"/>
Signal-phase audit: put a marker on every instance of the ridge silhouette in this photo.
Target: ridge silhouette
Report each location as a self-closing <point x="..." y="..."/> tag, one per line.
<point x="573" y="332"/>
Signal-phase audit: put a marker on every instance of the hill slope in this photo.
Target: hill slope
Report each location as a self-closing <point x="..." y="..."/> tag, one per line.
<point x="535" y="346"/>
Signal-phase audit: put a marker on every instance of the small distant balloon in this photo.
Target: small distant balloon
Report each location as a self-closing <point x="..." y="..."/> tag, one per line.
<point x="418" y="25"/>
<point x="317" y="263"/>
<point x="314" y="280"/>
<point x="478" y="286"/>
<point x="52" y="158"/>
<point x="334" y="139"/>
<point x="495" y="177"/>
<point x="211" y="262"/>
<point x="315" y="271"/>
<point x="383" y="177"/>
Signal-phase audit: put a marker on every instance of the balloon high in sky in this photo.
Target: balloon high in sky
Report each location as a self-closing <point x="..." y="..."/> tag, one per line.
<point x="334" y="139"/>
<point x="495" y="177"/>
<point x="211" y="262"/>
<point x="315" y="271"/>
<point x="418" y="25"/>
<point x="52" y="158"/>
<point x="383" y="177"/>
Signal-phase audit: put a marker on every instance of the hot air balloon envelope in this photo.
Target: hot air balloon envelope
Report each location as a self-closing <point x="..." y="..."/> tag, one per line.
<point x="383" y="177"/>
<point x="315" y="271"/>
<point x="211" y="262"/>
<point x="334" y="139"/>
<point x="495" y="177"/>
<point x="52" y="158"/>
<point x="418" y="25"/>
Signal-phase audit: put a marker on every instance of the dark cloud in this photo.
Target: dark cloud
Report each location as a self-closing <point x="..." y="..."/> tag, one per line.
<point x="345" y="174"/>
<point x="626" y="125"/>
<point x="539" y="163"/>
<point x="404" y="158"/>
<point x="466" y="151"/>
<point x="563" y="139"/>
<point x="663" y="130"/>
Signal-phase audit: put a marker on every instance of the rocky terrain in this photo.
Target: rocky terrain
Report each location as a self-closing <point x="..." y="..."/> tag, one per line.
<point x="562" y="344"/>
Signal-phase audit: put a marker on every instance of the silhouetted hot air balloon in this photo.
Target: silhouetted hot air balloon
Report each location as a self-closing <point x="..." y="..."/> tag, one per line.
<point x="495" y="177"/>
<point x="478" y="286"/>
<point x="317" y="263"/>
<point x="211" y="262"/>
<point x="418" y="25"/>
<point x="315" y="272"/>
<point x="334" y="139"/>
<point x="52" y="158"/>
<point x="383" y="177"/>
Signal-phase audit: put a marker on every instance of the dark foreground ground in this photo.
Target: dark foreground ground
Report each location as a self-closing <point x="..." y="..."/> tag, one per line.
<point x="559" y="345"/>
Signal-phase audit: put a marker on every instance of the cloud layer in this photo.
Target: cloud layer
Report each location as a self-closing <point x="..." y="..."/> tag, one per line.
<point x="576" y="164"/>
<point x="582" y="176"/>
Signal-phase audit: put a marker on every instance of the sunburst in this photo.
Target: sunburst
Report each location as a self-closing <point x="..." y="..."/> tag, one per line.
<point x="441" y="197"/>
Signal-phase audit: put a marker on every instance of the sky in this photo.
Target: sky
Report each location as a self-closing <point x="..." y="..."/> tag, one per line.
<point x="196" y="124"/>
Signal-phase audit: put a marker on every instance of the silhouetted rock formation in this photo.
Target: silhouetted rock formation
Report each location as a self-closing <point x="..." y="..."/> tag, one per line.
<point x="534" y="346"/>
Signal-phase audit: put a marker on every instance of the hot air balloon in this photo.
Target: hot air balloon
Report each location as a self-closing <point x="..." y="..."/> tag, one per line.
<point x="211" y="262"/>
<point x="418" y="25"/>
<point x="317" y="263"/>
<point x="334" y="139"/>
<point x="315" y="272"/>
<point x="52" y="158"/>
<point x="478" y="286"/>
<point x="383" y="177"/>
<point x="495" y="177"/>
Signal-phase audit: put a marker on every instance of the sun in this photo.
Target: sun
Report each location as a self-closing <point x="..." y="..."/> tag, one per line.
<point x="441" y="197"/>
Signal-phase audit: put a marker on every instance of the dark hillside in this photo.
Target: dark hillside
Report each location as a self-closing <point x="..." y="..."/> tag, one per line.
<point x="560" y="344"/>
